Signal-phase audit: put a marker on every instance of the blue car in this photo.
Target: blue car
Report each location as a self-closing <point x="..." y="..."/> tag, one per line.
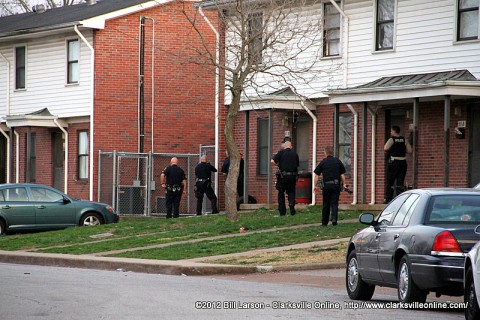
<point x="417" y="244"/>
<point x="26" y="207"/>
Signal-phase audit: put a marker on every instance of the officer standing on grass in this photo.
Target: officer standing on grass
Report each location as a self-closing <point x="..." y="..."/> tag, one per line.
<point x="287" y="161"/>
<point x="333" y="178"/>
<point x="203" y="184"/>
<point x="175" y="183"/>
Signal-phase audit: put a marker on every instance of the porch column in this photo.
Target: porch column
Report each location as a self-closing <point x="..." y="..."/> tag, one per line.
<point x="446" y="129"/>
<point x="269" y="175"/>
<point x="246" y="156"/>
<point x="416" y="104"/>
<point x="336" y="126"/>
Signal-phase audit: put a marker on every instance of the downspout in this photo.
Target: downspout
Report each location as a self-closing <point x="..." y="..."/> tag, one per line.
<point x="66" y="155"/>
<point x="314" y="145"/>
<point x="17" y="156"/>
<point x="345" y="53"/>
<point x="374" y="133"/>
<point x="92" y="86"/>
<point x="355" y="152"/>
<point x="217" y="89"/>
<point x="9" y="147"/>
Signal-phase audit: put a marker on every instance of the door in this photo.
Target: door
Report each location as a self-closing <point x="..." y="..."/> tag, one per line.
<point x="474" y="150"/>
<point x="3" y="159"/>
<point x="51" y="211"/>
<point x="301" y="142"/>
<point x="16" y="208"/>
<point x="58" y="160"/>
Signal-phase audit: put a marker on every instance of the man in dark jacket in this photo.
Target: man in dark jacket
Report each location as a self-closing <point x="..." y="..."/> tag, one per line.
<point x="287" y="161"/>
<point x="333" y="177"/>
<point x="203" y="184"/>
<point x="175" y="183"/>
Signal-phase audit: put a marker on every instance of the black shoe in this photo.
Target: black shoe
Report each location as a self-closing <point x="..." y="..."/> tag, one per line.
<point x="215" y="212"/>
<point x="199" y="214"/>
<point x="334" y="223"/>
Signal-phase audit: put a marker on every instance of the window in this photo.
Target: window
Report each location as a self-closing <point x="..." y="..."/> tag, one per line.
<point x="385" y="24"/>
<point x="15" y="194"/>
<point x="405" y="211"/>
<point x="331" y="30"/>
<point x="20" y="59"/>
<point x="45" y="195"/>
<point x="31" y="152"/>
<point x="83" y="155"/>
<point x="72" y="60"/>
<point x="467" y="20"/>
<point x="255" y="38"/>
<point x="387" y="213"/>
<point x="262" y="142"/>
<point x="345" y="140"/>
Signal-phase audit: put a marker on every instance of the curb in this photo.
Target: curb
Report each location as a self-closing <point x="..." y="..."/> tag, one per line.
<point x="187" y="268"/>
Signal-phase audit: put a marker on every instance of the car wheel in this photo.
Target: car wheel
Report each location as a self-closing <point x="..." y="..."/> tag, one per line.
<point x="407" y="289"/>
<point x="357" y="288"/>
<point x="91" y="219"/>
<point x="471" y="311"/>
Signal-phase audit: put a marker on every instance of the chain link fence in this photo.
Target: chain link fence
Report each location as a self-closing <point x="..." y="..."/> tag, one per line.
<point x="131" y="181"/>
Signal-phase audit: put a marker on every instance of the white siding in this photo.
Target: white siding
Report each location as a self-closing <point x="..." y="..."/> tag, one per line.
<point x="46" y="84"/>
<point x="425" y="42"/>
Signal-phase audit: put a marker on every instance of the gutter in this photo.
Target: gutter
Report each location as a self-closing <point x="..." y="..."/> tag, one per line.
<point x="7" y="102"/>
<point x="65" y="183"/>
<point x="217" y="90"/>
<point x="346" y="37"/>
<point x="92" y="74"/>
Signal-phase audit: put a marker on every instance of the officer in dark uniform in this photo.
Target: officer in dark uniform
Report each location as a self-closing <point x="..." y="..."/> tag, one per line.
<point x="396" y="149"/>
<point x="175" y="183"/>
<point x="226" y="168"/>
<point x="333" y="177"/>
<point x="287" y="161"/>
<point x="203" y="184"/>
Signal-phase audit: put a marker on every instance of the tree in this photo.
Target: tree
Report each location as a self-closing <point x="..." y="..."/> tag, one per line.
<point x="267" y="45"/>
<point x="9" y="7"/>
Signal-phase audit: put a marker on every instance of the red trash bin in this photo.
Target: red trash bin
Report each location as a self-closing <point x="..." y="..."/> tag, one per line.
<point x="303" y="190"/>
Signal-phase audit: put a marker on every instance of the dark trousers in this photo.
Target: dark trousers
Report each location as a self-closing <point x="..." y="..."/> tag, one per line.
<point x="173" y="203"/>
<point x="397" y="169"/>
<point x="286" y="185"/>
<point x="202" y="189"/>
<point x="331" y="194"/>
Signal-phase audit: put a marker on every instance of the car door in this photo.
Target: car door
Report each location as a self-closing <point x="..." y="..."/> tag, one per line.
<point x="16" y="208"/>
<point x="391" y="236"/>
<point x="368" y="258"/>
<point x="51" y="211"/>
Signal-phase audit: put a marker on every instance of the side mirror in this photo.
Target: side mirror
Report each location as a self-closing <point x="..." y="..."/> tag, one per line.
<point x="367" y="218"/>
<point x="66" y="200"/>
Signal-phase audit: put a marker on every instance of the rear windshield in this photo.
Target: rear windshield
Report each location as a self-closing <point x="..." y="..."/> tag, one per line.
<point x="454" y="208"/>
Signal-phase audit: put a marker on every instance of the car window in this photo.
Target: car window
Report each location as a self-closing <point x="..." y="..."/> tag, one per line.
<point x="15" y="194"/>
<point x="399" y="219"/>
<point x="45" y="195"/>
<point x="454" y="208"/>
<point x="390" y="210"/>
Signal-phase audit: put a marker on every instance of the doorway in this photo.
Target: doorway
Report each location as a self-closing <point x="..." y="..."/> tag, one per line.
<point x="474" y="146"/>
<point x="58" y="160"/>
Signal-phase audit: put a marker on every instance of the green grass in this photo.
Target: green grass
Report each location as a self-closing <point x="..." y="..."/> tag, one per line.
<point x="133" y="232"/>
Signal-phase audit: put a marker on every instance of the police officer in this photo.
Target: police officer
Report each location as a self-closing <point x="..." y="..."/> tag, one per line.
<point x="203" y="184"/>
<point x="287" y="161"/>
<point x="175" y="183"/>
<point x="333" y="177"/>
<point x="396" y="149"/>
<point x="226" y="168"/>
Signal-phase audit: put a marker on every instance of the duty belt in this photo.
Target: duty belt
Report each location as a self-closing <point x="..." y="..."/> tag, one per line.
<point x="331" y="182"/>
<point x="200" y="180"/>
<point x="286" y="173"/>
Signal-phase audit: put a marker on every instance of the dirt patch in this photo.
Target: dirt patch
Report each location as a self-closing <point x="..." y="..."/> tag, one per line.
<point x="316" y="254"/>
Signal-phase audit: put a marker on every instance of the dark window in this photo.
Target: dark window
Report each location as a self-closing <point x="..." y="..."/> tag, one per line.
<point x="331" y="30"/>
<point x="467" y="20"/>
<point x="386" y="216"/>
<point x="345" y="140"/>
<point x="454" y="209"/>
<point x="83" y="155"/>
<point x="262" y="142"/>
<point x="72" y="60"/>
<point x="20" y="62"/>
<point x="255" y="38"/>
<point x="385" y="24"/>
<point x="405" y="211"/>
<point x="31" y="153"/>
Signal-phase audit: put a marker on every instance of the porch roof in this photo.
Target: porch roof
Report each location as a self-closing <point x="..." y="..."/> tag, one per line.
<point x="283" y="99"/>
<point x="40" y="118"/>
<point x="456" y="83"/>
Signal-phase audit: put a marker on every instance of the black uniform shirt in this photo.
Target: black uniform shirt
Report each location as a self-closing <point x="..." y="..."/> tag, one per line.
<point x="174" y="175"/>
<point x="204" y="170"/>
<point x="287" y="160"/>
<point x="399" y="149"/>
<point x="331" y="168"/>
<point x="226" y="166"/>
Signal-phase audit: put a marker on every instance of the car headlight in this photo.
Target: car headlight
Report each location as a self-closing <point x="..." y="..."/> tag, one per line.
<point x="110" y="209"/>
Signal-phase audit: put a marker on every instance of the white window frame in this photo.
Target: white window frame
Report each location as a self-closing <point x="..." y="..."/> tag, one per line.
<point x="252" y="48"/>
<point x="24" y="67"/>
<point x="457" y="25"/>
<point x="340" y="42"/>
<point x="70" y="62"/>
<point x="83" y="170"/>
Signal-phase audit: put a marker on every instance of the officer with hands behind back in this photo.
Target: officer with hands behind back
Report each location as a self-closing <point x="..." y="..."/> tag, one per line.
<point x="175" y="183"/>
<point x="333" y="177"/>
<point x="287" y="161"/>
<point x="203" y="184"/>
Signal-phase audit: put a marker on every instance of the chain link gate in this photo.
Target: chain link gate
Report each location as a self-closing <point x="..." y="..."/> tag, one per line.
<point x="131" y="182"/>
